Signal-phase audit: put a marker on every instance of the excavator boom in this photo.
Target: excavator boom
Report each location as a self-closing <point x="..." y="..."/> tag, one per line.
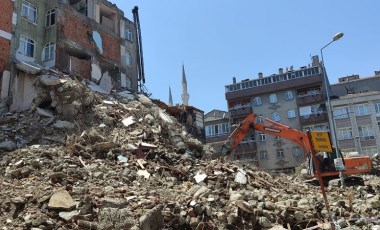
<point x="357" y="165"/>
<point x="275" y="129"/>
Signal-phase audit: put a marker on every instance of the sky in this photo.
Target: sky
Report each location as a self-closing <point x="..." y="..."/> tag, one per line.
<point x="217" y="40"/>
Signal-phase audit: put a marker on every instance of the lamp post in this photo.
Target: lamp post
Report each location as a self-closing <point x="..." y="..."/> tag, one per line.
<point x="330" y="109"/>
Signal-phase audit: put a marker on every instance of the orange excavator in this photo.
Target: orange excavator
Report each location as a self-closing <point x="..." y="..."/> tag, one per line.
<point x="352" y="165"/>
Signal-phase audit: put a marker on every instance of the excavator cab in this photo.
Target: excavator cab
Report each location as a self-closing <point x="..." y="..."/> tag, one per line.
<point x="327" y="165"/>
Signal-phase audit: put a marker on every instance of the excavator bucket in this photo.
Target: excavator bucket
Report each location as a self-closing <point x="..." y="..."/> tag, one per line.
<point x="225" y="149"/>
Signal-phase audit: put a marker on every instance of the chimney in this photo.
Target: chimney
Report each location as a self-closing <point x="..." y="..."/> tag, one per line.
<point x="280" y="71"/>
<point x="260" y="75"/>
<point x="315" y="60"/>
<point x="233" y="80"/>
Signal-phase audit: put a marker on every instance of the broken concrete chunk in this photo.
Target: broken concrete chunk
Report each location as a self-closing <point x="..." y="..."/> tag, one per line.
<point x="127" y="95"/>
<point x="128" y="121"/>
<point x="153" y="219"/>
<point x="18" y="200"/>
<point x="202" y="192"/>
<point x="122" y="159"/>
<point x="7" y="146"/>
<point x="143" y="173"/>
<point x="200" y="177"/>
<point x="115" y="218"/>
<point x="143" y="145"/>
<point x="165" y="117"/>
<point x="241" y="177"/>
<point x="108" y="202"/>
<point x="44" y="112"/>
<point x="145" y="100"/>
<point x="149" y="118"/>
<point x="49" y="80"/>
<point x="110" y="102"/>
<point x="61" y="199"/>
<point x="63" y="125"/>
<point x="68" y="215"/>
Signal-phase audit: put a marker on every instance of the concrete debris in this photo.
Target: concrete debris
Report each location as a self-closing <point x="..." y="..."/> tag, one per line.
<point x="62" y="200"/>
<point x="44" y="112"/>
<point x="72" y="163"/>
<point x="200" y="177"/>
<point x="128" y="121"/>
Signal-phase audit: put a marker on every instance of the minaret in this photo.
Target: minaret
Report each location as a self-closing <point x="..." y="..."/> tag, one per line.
<point x="185" y="96"/>
<point x="170" y="97"/>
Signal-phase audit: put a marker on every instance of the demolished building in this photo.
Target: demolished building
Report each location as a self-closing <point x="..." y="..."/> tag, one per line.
<point x="5" y="44"/>
<point x="190" y="117"/>
<point x="91" y="38"/>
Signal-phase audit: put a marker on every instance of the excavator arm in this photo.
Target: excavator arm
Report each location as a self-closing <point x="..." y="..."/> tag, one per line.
<point x="275" y="129"/>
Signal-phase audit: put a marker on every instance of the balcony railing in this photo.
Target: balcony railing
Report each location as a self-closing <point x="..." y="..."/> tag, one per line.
<point x="243" y="111"/>
<point x="310" y="99"/>
<point x="313" y="118"/>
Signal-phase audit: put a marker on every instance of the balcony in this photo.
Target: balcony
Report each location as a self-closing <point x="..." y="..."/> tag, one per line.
<point x="241" y="112"/>
<point x="310" y="99"/>
<point x="313" y="119"/>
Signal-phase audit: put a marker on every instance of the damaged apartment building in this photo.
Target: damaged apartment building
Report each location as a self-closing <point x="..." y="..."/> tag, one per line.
<point x="6" y="21"/>
<point x="87" y="38"/>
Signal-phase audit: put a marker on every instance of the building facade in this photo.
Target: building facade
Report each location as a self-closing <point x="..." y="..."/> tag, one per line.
<point x="295" y="98"/>
<point x="87" y="38"/>
<point x="356" y="109"/>
<point x="6" y="24"/>
<point x="217" y="128"/>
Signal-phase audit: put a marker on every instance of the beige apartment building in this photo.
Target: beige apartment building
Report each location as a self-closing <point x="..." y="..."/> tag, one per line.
<point x="356" y="109"/>
<point x="294" y="97"/>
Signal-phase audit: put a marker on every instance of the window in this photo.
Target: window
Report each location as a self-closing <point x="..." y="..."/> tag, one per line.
<point x="263" y="155"/>
<point x="50" y="17"/>
<point x="128" y="58"/>
<point x="366" y="133"/>
<point x="260" y="119"/>
<point x="341" y="112"/>
<point x="273" y="98"/>
<point x="297" y="152"/>
<point x="280" y="153"/>
<point x="209" y="131"/>
<point x="128" y="34"/>
<point x="217" y="130"/>
<point x="313" y="91"/>
<point x="289" y="95"/>
<point x="345" y="133"/>
<point x="249" y="138"/>
<point x="292" y="113"/>
<point x="257" y="101"/>
<point x="262" y="137"/>
<point x="377" y="107"/>
<point x="369" y="151"/>
<point x="49" y="51"/>
<point x="277" y="138"/>
<point x="26" y="46"/>
<point x="29" y="12"/>
<point x="361" y="110"/>
<point x="275" y="116"/>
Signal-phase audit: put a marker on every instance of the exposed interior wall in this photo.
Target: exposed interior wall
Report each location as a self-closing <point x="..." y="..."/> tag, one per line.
<point x="80" y="67"/>
<point x="22" y="91"/>
<point x="96" y="72"/>
<point x="123" y="79"/>
<point x="106" y="82"/>
<point x="5" y="84"/>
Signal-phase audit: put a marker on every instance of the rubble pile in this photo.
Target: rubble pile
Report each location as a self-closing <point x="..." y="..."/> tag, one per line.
<point x="376" y="164"/>
<point x="83" y="160"/>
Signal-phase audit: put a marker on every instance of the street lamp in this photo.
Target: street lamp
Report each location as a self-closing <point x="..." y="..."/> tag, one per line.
<point x="327" y="87"/>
